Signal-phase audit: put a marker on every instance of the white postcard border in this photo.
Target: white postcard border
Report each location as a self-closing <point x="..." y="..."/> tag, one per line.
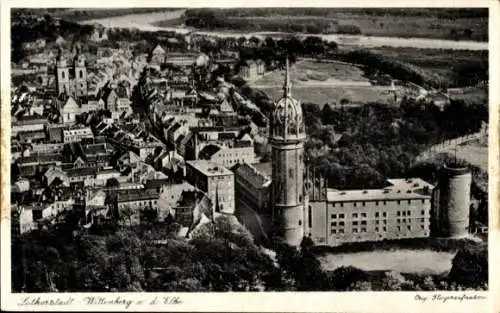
<point x="272" y="301"/>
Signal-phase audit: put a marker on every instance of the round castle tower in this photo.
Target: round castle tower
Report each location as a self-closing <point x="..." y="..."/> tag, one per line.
<point x="452" y="202"/>
<point x="287" y="136"/>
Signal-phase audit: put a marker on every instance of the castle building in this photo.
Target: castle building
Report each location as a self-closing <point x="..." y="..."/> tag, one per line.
<point x="303" y="205"/>
<point x="399" y="211"/>
<point x="71" y="80"/>
<point x="287" y="137"/>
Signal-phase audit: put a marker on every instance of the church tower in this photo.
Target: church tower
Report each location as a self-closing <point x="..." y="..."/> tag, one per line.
<point x="287" y="136"/>
<point x="62" y="74"/>
<point x="80" y="74"/>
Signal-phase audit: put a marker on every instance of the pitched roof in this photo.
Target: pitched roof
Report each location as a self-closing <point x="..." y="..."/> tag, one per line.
<point x="250" y="174"/>
<point x="30" y="135"/>
<point x="208" y="151"/>
<point x="78" y="172"/>
<point x="226" y="107"/>
<point x="69" y="103"/>
<point x="99" y="148"/>
<point x="41" y="159"/>
<point x="264" y="167"/>
<point x="226" y="136"/>
<point x="158" y="50"/>
<point x="30" y="120"/>
<point x="137" y="195"/>
<point x="55" y="134"/>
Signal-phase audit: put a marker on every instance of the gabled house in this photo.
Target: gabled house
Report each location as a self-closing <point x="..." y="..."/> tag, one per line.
<point x="157" y="56"/>
<point x="248" y="70"/>
<point x="69" y="110"/>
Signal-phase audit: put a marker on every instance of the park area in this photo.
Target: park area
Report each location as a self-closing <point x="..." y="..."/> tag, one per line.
<point x="421" y="261"/>
<point x="317" y="71"/>
<point x="324" y="82"/>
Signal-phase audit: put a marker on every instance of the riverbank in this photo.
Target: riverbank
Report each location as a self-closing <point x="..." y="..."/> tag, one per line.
<point x="465" y="24"/>
<point x="148" y="22"/>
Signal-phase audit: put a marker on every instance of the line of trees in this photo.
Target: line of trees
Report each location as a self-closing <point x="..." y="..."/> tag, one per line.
<point x="361" y="147"/>
<point x="221" y="256"/>
<point x="332" y="12"/>
<point x="464" y="73"/>
<point x="223" y="19"/>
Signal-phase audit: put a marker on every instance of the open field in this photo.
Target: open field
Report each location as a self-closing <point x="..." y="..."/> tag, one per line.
<point x="424" y="23"/>
<point x="474" y="153"/>
<point x="471" y="95"/>
<point x="324" y="94"/>
<point x="322" y="82"/>
<point x="404" y="261"/>
<point x="305" y="71"/>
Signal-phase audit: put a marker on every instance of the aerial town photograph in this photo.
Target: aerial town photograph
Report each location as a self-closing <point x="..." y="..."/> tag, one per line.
<point x="249" y="149"/>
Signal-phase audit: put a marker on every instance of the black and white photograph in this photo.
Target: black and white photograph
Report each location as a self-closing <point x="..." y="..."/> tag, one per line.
<point x="248" y="149"/>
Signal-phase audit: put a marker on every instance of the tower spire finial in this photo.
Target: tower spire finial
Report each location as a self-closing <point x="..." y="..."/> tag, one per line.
<point x="287" y="86"/>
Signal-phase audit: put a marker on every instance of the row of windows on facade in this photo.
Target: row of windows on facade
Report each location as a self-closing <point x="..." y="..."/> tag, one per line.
<point x="377" y="229"/>
<point x="78" y="92"/>
<point x="153" y="202"/>
<point x="232" y="161"/>
<point x="377" y="214"/>
<point x="222" y="177"/>
<point x="78" y="132"/>
<point x="363" y="203"/>
<point x="63" y="75"/>
<point x="236" y="154"/>
<point x="356" y="223"/>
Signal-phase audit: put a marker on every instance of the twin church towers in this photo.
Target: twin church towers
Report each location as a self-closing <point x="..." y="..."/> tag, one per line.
<point x="287" y="137"/>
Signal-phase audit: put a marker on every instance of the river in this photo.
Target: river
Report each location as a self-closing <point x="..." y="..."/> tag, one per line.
<point x="144" y="22"/>
<point x="421" y="261"/>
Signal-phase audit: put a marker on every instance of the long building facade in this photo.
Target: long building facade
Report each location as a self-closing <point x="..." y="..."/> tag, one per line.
<point x="400" y="211"/>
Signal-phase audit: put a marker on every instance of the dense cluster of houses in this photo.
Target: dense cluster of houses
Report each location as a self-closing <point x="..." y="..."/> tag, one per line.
<point x="79" y="145"/>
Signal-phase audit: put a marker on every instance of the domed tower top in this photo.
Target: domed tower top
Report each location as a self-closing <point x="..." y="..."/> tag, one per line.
<point x="79" y="59"/>
<point x="287" y="122"/>
<point x="60" y="60"/>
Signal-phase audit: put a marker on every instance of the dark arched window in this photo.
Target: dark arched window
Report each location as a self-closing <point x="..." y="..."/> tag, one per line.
<point x="81" y="74"/>
<point x="62" y="74"/>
